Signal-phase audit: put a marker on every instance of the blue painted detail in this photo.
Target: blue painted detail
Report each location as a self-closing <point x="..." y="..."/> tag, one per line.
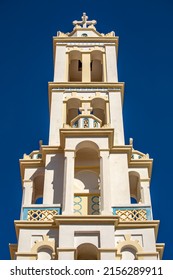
<point x="78" y="203"/>
<point x="26" y="209"/>
<point x="95" y="205"/>
<point x="96" y="123"/>
<point x="148" y="210"/>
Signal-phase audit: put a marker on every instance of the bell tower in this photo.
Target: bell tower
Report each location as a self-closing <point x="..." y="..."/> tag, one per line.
<point x="86" y="195"/>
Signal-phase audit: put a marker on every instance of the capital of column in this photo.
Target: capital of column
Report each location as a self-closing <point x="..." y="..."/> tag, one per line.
<point x="27" y="184"/>
<point x="69" y="154"/>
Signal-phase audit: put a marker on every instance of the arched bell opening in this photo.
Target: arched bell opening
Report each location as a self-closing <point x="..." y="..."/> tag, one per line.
<point x="135" y="188"/>
<point x="99" y="109"/>
<point x="72" y="109"/>
<point x="96" y="66"/>
<point x="38" y="184"/>
<point x="87" y="179"/>
<point x="75" y="66"/>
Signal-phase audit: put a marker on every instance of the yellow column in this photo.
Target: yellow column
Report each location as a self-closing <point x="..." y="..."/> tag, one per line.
<point x="104" y="68"/>
<point x="86" y="72"/>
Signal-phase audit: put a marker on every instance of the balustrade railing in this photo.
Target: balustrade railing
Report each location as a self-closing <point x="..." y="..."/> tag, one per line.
<point x="40" y="213"/>
<point x="133" y="213"/>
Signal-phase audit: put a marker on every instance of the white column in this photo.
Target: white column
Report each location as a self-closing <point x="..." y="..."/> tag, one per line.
<point x="111" y="64"/>
<point x="48" y="191"/>
<point x="105" y="183"/>
<point x="146" y="193"/>
<point x="68" y="193"/>
<point x="60" y="64"/>
<point x="116" y="117"/>
<point x="56" y="118"/>
<point x="27" y="192"/>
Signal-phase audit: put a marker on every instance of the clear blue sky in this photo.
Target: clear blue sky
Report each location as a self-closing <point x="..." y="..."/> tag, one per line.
<point x="145" y="64"/>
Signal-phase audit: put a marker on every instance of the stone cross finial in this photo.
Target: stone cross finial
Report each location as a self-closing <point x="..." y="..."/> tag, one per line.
<point x="85" y="109"/>
<point x="84" y="22"/>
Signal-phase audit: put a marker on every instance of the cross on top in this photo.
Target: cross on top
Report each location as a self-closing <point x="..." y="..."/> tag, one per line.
<point x="86" y="109"/>
<point x="84" y="22"/>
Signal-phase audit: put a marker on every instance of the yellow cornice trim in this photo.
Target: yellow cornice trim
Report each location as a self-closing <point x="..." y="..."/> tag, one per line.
<point x="53" y="86"/>
<point x="140" y="224"/>
<point x="29" y="163"/>
<point x="131" y="162"/>
<point x="80" y="132"/>
<point x="160" y="249"/>
<point x="73" y="132"/>
<point x="13" y="250"/>
<point x="93" y="219"/>
<point x="102" y="39"/>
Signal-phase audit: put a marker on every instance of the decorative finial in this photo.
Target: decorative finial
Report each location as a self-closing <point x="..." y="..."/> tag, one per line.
<point x="84" y="22"/>
<point x="131" y="141"/>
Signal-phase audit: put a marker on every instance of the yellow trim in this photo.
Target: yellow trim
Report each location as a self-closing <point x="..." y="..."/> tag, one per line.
<point x="142" y="255"/>
<point x="66" y="85"/>
<point x="160" y="249"/>
<point x="87" y="132"/>
<point x="13" y="250"/>
<point x="46" y="149"/>
<point x="65" y="40"/>
<point x="93" y="219"/>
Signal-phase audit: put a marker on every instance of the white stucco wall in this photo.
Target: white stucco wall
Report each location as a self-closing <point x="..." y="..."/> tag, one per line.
<point x="116" y="117"/>
<point x="119" y="180"/>
<point x="111" y="63"/>
<point x="60" y="64"/>
<point x="53" y="183"/>
<point x="56" y="118"/>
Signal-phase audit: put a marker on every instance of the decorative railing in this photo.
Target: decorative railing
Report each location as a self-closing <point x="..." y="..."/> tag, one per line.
<point x="40" y="213"/>
<point x="86" y="205"/>
<point x="133" y="213"/>
<point x="86" y="122"/>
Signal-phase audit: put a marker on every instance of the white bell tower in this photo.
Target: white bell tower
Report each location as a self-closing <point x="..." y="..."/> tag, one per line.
<point x="86" y="195"/>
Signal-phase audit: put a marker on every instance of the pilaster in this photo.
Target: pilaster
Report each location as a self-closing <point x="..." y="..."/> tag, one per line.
<point x="68" y="193"/>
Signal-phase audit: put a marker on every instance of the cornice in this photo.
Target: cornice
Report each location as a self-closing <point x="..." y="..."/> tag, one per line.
<point x="87" y="132"/>
<point x="29" y="163"/>
<point x="160" y="249"/>
<point x="62" y="87"/>
<point x="77" y="132"/>
<point x="89" y="219"/>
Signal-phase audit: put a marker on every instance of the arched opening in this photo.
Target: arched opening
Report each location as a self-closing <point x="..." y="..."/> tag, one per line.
<point x="96" y="66"/>
<point x="73" y="105"/>
<point x="135" y="188"/>
<point x="128" y="253"/>
<point x="99" y="109"/>
<point x="38" y="183"/>
<point x="44" y="253"/>
<point x="87" y="251"/>
<point x="75" y="66"/>
<point x="86" y="184"/>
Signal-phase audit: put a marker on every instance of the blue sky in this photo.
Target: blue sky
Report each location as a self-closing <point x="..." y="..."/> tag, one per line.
<point x="145" y="62"/>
